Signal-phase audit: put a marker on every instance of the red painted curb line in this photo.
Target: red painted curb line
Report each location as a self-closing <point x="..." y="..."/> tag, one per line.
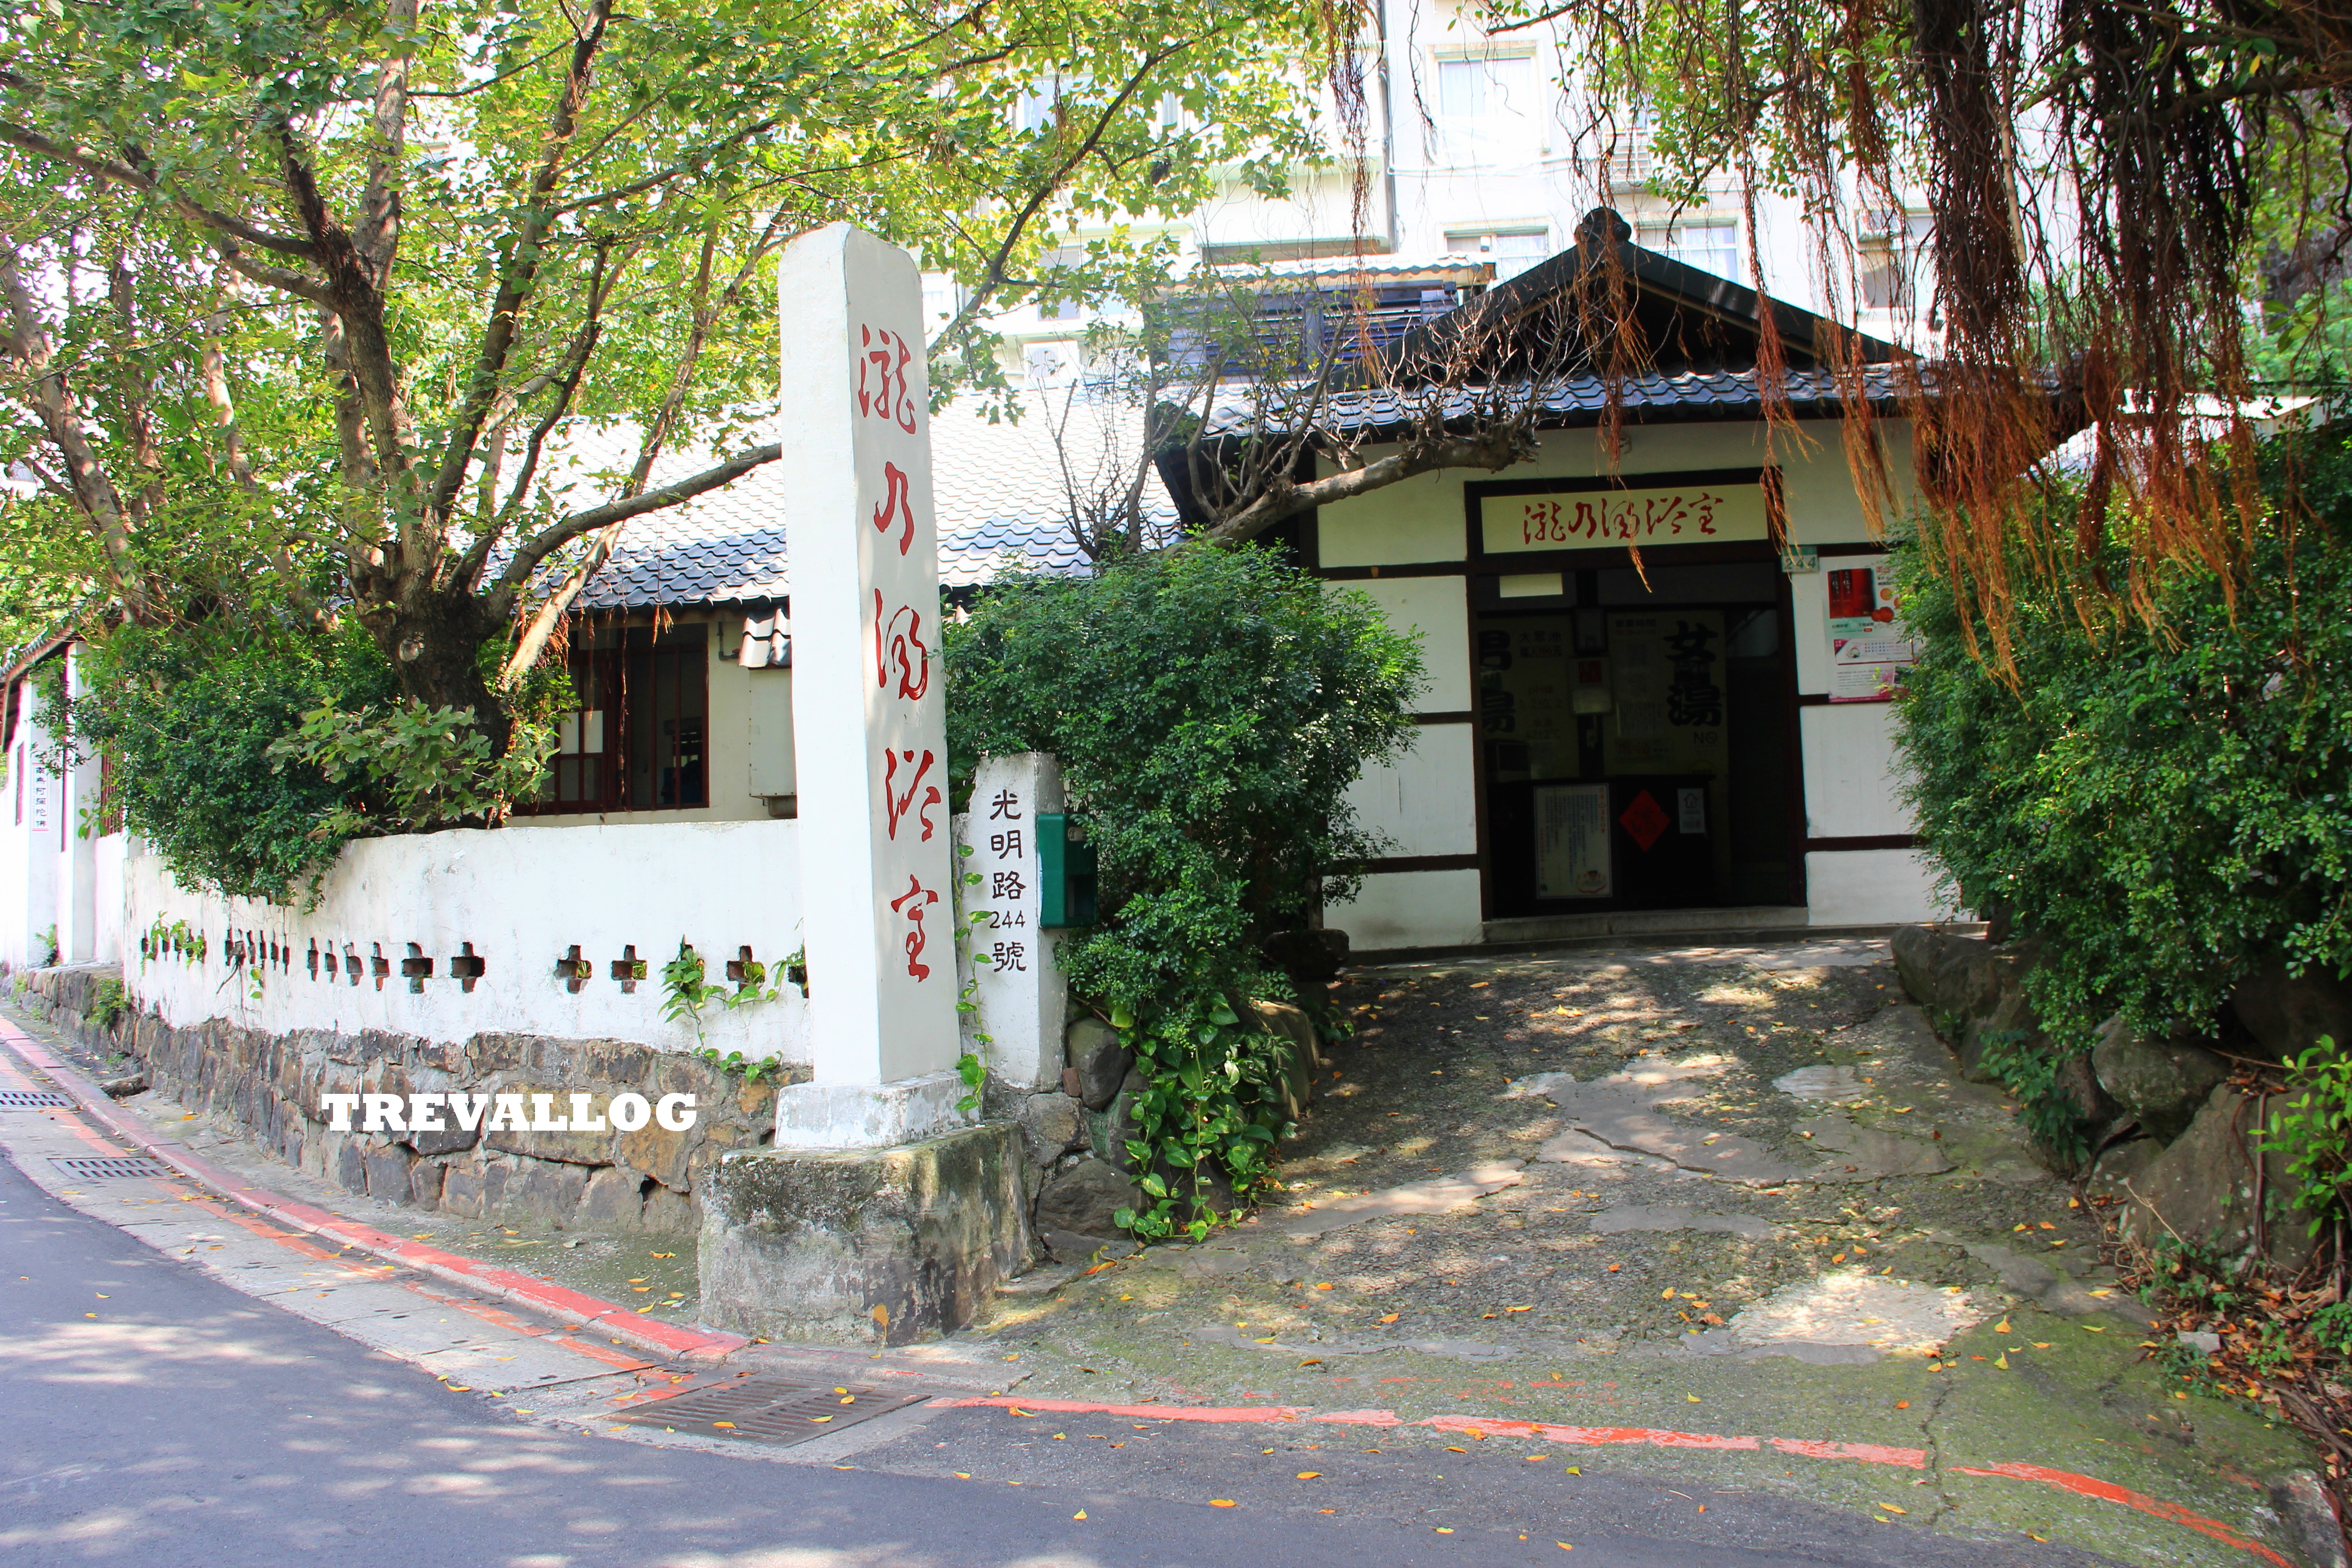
<point x="1538" y="1431"/>
<point x="574" y="1308"/>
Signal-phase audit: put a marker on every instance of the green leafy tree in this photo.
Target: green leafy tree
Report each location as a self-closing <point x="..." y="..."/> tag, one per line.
<point x="192" y="721"/>
<point x="2166" y="805"/>
<point x="352" y="274"/>
<point x="1209" y="708"/>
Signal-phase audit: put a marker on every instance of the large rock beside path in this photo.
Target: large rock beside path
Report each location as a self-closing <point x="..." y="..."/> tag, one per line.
<point x="2203" y="1190"/>
<point x="2161" y="1082"/>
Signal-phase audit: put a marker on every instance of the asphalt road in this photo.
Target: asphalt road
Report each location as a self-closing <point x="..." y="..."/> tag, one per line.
<point x="150" y="1414"/>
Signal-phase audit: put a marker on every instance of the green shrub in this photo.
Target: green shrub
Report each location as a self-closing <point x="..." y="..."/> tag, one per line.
<point x="2314" y="1129"/>
<point x="186" y="716"/>
<point x="1209" y="708"/>
<point x="2166" y="805"/>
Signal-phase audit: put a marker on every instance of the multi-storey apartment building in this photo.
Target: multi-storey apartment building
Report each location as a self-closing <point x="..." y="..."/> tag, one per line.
<point x="1475" y="158"/>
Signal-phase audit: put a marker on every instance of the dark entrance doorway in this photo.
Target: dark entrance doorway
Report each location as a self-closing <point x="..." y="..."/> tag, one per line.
<point x="1637" y="740"/>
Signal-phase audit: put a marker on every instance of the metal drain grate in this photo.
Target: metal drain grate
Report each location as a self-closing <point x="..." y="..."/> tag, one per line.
<point x="99" y="1168"/>
<point x="767" y="1410"/>
<point x="33" y="1099"/>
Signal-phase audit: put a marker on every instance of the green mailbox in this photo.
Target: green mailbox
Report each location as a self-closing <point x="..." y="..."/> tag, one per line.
<point x="1065" y="871"/>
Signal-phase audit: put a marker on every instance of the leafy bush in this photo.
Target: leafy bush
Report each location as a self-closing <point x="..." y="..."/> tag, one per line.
<point x="1209" y="708"/>
<point x="2165" y="805"/>
<point x="186" y="716"/>
<point x="410" y="768"/>
<point x="2314" y="1129"/>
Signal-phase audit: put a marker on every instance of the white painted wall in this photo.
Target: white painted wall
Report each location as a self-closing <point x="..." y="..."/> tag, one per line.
<point x="1870" y="887"/>
<point x="1435" y="610"/>
<point x="523" y="897"/>
<point x="1410" y="909"/>
<point x="1421" y="802"/>
<point x="1849" y="783"/>
<point x="32" y="858"/>
<point x="109" y="855"/>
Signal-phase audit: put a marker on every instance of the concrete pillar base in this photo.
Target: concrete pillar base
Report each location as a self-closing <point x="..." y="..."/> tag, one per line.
<point x="862" y="1245"/>
<point x="870" y="1115"/>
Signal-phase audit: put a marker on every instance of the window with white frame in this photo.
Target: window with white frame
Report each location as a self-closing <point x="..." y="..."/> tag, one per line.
<point x="1486" y="109"/>
<point x="1887" y="259"/>
<point x="1512" y="250"/>
<point x="1711" y="245"/>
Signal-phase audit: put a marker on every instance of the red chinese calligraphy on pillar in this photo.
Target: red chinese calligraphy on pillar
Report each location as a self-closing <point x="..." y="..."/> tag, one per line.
<point x="900" y="804"/>
<point x="883" y="392"/>
<point x="898" y="641"/>
<point x="911" y="905"/>
<point x="893" y="508"/>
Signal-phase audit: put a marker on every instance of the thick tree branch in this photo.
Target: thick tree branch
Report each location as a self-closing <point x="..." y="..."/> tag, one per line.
<point x="91" y="162"/>
<point x="518" y="261"/>
<point x="996" y="275"/>
<point x="566" y="377"/>
<point x="1494" y="448"/>
<point x="138" y="424"/>
<point x="378" y="233"/>
<point x="27" y="342"/>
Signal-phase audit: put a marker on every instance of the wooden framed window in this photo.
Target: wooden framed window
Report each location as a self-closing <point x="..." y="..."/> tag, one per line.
<point x="638" y="739"/>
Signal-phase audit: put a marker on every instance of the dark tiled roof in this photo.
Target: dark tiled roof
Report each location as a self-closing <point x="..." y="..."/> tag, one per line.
<point x="1000" y="494"/>
<point x="1576" y="400"/>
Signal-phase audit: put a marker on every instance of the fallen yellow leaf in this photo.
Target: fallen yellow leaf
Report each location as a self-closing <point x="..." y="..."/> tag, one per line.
<point x="1451" y="1449"/>
<point x="722" y="1424"/>
<point x="1575" y="1469"/>
<point x="1392" y="1318"/>
<point x="1080" y="1514"/>
<point x="1310" y="1475"/>
<point x="1221" y="1502"/>
<point x="2001" y="1362"/>
<point x="1892" y="1509"/>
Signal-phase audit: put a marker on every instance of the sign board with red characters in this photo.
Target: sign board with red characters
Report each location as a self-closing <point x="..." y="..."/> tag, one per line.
<point x="1697" y="513"/>
<point x="868" y="727"/>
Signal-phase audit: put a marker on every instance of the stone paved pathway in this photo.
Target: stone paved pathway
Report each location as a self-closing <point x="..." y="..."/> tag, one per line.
<point x="1721" y="1191"/>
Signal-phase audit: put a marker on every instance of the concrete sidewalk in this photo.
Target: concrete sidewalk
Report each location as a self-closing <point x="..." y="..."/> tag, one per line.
<point x="1707" y="1223"/>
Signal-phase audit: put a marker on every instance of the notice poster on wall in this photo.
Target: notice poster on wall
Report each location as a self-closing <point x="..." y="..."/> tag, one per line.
<point x="1869" y="648"/>
<point x="1572" y="842"/>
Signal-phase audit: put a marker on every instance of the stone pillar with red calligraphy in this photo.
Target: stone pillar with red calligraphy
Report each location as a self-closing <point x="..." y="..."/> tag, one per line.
<point x="868" y="726"/>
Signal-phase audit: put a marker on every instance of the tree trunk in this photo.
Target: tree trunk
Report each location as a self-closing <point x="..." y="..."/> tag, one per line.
<point x="435" y="652"/>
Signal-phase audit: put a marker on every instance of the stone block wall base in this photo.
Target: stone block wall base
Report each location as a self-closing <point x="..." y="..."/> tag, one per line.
<point x="862" y="1245"/>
